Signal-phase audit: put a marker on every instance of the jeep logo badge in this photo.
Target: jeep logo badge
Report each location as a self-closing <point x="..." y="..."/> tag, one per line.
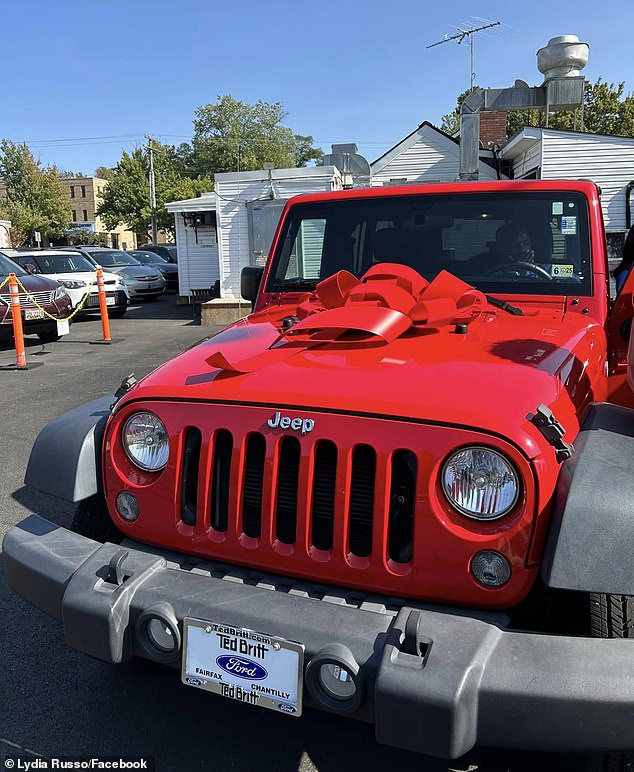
<point x="303" y="425"/>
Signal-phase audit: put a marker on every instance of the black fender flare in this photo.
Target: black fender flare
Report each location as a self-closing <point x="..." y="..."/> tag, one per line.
<point x="65" y="460"/>
<point x="590" y="546"/>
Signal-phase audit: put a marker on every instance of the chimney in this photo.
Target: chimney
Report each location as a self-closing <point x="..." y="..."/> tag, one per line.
<point x="492" y="128"/>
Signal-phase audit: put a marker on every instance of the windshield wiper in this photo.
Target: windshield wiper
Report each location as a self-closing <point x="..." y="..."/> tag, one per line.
<point x="296" y="284"/>
<point x="504" y="306"/>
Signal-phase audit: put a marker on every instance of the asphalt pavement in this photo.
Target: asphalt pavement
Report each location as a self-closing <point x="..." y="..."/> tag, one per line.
<point x="57" y="702"/>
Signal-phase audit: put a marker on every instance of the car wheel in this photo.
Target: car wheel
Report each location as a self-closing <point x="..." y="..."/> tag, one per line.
<point x="48" y="336"/>
<point x="92" y="520"/>
<point x="612" y="616"/>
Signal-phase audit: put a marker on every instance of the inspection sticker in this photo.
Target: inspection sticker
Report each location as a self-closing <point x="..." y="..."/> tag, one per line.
<point x="558" y="207"/>
<point x="562" y="271"/>
<point x="243" y="665"/>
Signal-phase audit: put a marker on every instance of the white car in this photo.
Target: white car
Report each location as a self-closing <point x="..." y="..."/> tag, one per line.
<point x="77" y="274"/>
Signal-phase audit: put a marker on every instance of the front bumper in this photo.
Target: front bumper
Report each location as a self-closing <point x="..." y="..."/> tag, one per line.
<point x="436" y="680"/>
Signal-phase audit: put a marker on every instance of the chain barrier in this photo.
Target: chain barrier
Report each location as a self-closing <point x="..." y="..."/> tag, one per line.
<point x="6" y="281"/>
<point x="75" y="311"/>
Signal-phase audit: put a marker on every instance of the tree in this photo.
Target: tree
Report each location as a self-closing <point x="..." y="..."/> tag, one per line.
<point x="126" y="199"/>
<point x="105" y="172"/>
<point x="35" y="198"/>
<point x="233" y="136"/>
<point x="605" y="111"/>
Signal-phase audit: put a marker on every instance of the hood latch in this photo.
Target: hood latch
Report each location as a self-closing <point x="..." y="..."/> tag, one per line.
<point x="553" y="431"/>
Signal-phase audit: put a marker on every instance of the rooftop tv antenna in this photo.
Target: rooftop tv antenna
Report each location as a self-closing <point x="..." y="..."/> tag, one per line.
<point x="460" y="36"/>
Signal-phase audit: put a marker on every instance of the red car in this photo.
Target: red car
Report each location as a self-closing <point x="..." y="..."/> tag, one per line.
<point x="37" y="295"/>
<point x="395" y="491"/>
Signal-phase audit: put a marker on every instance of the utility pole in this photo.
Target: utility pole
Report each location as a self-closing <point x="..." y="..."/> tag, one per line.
<point x="152" y="189"/>
<point x="460" y="36"/>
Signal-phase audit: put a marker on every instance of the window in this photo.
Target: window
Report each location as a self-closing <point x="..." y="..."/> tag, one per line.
<point x="83" y="191"/>
<point x="513" y="243"/>
<point x="74" y="213"/>
<point x="85" y="213"/>
<point x="72" y="191"/>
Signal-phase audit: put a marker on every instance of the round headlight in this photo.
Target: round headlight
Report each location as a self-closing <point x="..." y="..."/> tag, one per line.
<point x="480" y="483"/>
<point x="145" y="441"/>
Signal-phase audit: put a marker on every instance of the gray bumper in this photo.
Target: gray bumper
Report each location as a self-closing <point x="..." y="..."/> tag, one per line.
<point x="469" y="682"/>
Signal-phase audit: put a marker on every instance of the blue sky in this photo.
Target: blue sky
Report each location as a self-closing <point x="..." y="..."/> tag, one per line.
<point x="83" y="80"/>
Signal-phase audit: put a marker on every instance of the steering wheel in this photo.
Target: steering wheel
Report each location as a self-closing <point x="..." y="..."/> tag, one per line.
<point x="506" y="269"/>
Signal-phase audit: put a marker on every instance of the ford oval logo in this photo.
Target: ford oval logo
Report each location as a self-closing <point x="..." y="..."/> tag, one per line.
<point x="286" y="708"/>
<point x="193" y="681"/>
<point x="242" y="667"/>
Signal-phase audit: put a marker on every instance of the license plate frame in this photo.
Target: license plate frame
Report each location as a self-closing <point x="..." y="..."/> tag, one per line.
<point x="33" y="313"/>
<point x="243" y="665"/>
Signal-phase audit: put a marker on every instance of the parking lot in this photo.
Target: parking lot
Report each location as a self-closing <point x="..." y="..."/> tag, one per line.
<point x="54" y="701"/>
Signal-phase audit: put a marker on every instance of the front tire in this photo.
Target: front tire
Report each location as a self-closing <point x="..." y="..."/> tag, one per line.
<point x="48" y="336"/>
<point x="612" y="616"/>
<point x="93" y="521"/>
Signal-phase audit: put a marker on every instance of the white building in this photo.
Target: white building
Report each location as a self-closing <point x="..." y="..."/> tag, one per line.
<point x="220" y="233"/>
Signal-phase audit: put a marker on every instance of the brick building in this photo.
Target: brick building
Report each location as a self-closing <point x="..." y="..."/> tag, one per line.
<point x="85" y="195"/>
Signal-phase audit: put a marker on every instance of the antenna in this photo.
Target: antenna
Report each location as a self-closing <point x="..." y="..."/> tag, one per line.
<point x="460" y="36"/>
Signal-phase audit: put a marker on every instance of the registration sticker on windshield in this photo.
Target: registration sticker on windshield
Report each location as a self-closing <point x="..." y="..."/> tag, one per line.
<point x="569" y="226"/>
<point x="558" y="207"/>
<point x="562" y="271"/>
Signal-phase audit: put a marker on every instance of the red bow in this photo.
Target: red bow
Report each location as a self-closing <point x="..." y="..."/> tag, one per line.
<point x="388" y="300"/>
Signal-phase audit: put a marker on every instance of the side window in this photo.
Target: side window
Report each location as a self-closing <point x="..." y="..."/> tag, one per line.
<point x="307" y="250"/>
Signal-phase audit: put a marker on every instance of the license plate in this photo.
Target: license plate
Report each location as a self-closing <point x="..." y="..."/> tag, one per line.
<point x="243" y="665"/>
<point x="109" y="301"/>
<point x="33" y="313"/>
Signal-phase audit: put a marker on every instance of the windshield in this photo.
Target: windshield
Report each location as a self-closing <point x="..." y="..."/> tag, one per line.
<point x="7" y="266"/>
<point x="147" y="257"/>
<point x="112" y="257"/>
<point x="59" y="263"/>
<point x="532" y="243"/>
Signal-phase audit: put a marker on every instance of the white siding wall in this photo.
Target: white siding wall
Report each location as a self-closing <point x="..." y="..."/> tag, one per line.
<point x="198" y="260"/>
<point x="428" y="160"/>
<point x="608" y="161"/>
<point x="528" y="161"/>
<point x="233" y="191"/>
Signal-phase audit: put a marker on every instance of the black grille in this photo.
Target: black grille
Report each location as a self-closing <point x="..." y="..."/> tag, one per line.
<point x="323" y="510"/>
<point x="402" y="499"/>
<point x="189" y="489"/>
<point x="252" y="486"/>
<point x="362" y="500"/>
<point x="287" y="482"/>
<point x="220" y="477"/>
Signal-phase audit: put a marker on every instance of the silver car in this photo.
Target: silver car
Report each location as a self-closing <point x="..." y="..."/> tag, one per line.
<point x="143" y="281"/>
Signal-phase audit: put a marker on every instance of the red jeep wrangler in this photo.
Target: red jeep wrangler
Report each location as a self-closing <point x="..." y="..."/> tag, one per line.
<point x="399" y="490"/>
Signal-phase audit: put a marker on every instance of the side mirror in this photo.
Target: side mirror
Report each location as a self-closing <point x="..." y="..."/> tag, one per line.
<point x="250" y="279"/>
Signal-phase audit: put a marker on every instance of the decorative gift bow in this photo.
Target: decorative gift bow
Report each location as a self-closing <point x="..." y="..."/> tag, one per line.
<point x="386" y="302"/>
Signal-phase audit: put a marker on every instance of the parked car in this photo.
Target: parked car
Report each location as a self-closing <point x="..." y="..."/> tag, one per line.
<point x="168" y="251"/>
<point x="43" y="293"/>
<point x="169" y="270"/>
<point x="143" y="282"/>
<point x="76" y="273"/>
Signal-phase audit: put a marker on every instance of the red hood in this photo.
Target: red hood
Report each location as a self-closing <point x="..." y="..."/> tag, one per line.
<point x="490" y="377"/>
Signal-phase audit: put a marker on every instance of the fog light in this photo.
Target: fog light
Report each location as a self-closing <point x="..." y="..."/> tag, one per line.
<point x="157" y="633"/>
<point x="337" y="682"/>
<point x="334" y="679"/>
<point x="127" y="506"/>
<point x="160" y="635"/>
<point x="490" y="568"/>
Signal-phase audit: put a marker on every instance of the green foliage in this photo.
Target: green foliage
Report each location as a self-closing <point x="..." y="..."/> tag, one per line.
<point x="605" y="111"/>
<point x="105" y="172"/>
<point x="126" y="199"/>
<point x="233" y="136"/>
<point x="35" y="198"/>
<point x="81" y="236"/>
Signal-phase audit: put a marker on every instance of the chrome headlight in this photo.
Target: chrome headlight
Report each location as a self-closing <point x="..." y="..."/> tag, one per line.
<point x="145" y="441"/>
<point x="74" y="284"/>
<point x="61" y="294"/>
<point x="480" y="483"/>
